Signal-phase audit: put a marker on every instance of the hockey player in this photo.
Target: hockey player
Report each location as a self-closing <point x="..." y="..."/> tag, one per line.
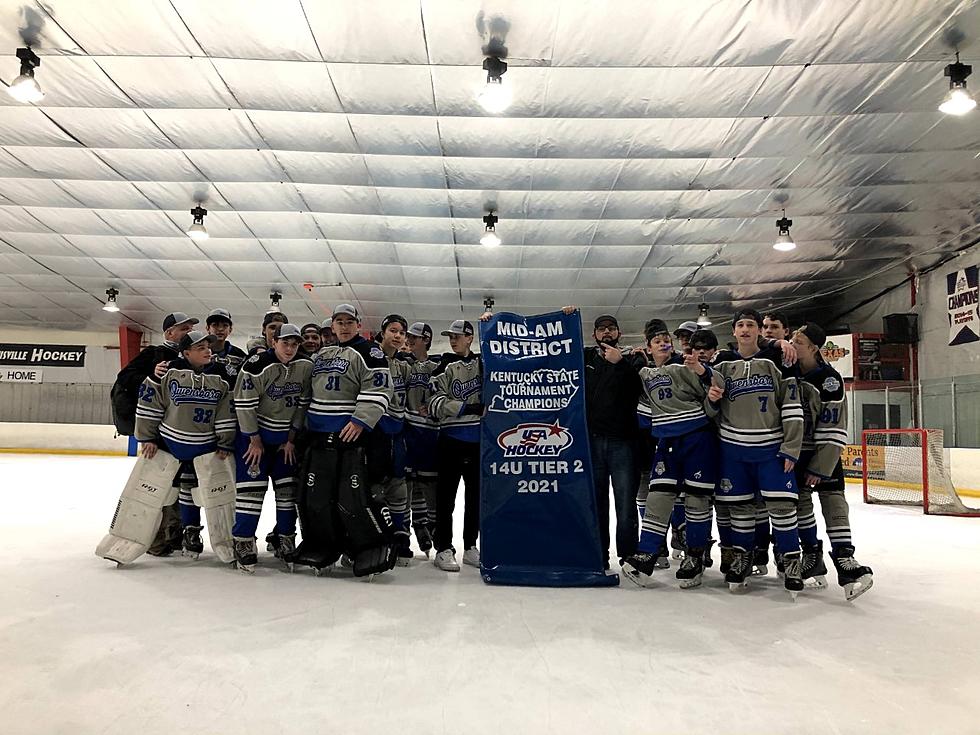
<point x="224" y="352"/>
<point x="685" y="458"/>
<point x="351" y="392"/>
<point x="271" y="322"/>
<point x="683" y="334"/>
<point x="327" y="337"/>
<point x="388" y="445"/>
<point x="761" y="431"/>
<point x="457" y="404"/>
<point x="421" y="437"/>
<point x="152" y="360"/>
<point x="188" y="412"/>
<point x="311" y="339"/>
<point x="271" y="396"/>
<point x="819" y="468"/>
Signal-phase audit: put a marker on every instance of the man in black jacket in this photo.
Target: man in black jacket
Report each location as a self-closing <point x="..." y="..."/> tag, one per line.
<point x="612" y="388"/>
<point x="153" y="360"/>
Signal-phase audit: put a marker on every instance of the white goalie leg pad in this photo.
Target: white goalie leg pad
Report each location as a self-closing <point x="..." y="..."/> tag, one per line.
<point x="140" y="508"/>
<point x="215" y="492"/>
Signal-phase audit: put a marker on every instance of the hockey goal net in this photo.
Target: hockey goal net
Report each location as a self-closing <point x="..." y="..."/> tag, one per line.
<point x="908" y="467"/>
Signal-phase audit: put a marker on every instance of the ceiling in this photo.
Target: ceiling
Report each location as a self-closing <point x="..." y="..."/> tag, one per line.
<point x="648" y="152"/>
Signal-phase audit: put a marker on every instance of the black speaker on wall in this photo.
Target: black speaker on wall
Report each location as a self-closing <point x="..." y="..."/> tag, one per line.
<point x="901" y="329"/>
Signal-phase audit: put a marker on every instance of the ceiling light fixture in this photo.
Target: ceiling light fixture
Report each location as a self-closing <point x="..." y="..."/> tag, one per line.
<point x="784" y="241"/>
<point x="490" y="238"/>
<point x="703" y="320"/>
<point x="495" y="96"/>
<point x="197" y="231"/>
<point x="275" y="297"/>
<point x="958" y="100"/>
<point x="25" y="87"/>
<point x="110" y="304"/>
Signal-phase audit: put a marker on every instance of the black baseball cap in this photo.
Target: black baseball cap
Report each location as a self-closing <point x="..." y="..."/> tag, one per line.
<point x="747" y="314"/>
<point x="177" y="317"/>
<point x="703" y="339"/>
<point x="604" y="319"/>
<point x="815" y="333"/>
<point x="218" y="315"/>
<point x="654" y="327"/>
<point x="192" y="338"/>
<point x="393" y="319"/>
<point x="308" y="327"/>
<point x="273" y="316"/>
<point x="459" y="326"/>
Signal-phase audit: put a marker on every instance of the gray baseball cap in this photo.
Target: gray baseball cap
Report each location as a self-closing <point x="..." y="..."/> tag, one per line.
<point x="192" y="338"/>
<point x="691" y="327"/>
<point x="177" y="317"/>
<point x="345" y="309"/>
<point x="420" y="329"/>
<point x="287" y="331"/>
<point x="218" y="315"/>
<point x="460" y="326"/>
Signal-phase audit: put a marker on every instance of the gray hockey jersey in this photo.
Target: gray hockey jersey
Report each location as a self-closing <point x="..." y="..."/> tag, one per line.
<point x="760" y="412"/>
<point x="351" y="382"/>
<point x="191" y="411"/>
<point x="394" y="418"/>
<point x="675" y="396"/>
<point x="824" y="418"/>
<point x="456" y="384"/>
<point x="271" y="397"/>
<point x="418" y="393"/>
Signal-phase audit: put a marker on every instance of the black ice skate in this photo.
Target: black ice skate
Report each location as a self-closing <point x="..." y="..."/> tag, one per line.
<point x="727" y="554"/>
<point x="246" y="555"/>
<point x="740" y="570"/>
<point x="793" y="567"/>
<point x="639" y="567"/>
<point x="403" y="549"/>
<point x="424" y="538"/>
<point x="285" y="550"/>
<point x="760" y="562"/>
<point x="678" y="543"/>
<point x="692" y="567"/>
<point x="706" y="559"/>
<point x="272" y="541"/>
<point x="814" y="569"/>
<point x="663" y="558"/>
<point x="192" y="544"/>
<point x="855" y="578"/>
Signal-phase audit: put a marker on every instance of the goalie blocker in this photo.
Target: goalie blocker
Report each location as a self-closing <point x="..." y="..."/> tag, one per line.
<point x="338" y="511"/>
<point x="140" y="508"/>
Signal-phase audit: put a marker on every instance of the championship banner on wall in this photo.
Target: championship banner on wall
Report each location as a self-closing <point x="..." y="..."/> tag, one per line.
<point x="537" y="510"/>
<point x="963" y="304"/>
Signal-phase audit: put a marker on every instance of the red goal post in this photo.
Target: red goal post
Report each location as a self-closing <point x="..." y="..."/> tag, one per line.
<point x="908" y="467"/>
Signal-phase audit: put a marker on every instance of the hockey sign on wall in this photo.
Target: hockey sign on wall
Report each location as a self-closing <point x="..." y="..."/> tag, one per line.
<point x="35" y="355"/>
<point x="963" y="305"/>
<point x="537" y="509"/>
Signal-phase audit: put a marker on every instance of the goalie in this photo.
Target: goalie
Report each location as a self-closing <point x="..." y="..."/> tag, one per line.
<point x="185" y="423"/>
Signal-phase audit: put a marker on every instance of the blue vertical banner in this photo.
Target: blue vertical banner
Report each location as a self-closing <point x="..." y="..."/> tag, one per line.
<point x="537" y="510"/>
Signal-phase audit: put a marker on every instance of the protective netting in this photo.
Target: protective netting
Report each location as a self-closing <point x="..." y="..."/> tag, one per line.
<point x="908" y="467"/>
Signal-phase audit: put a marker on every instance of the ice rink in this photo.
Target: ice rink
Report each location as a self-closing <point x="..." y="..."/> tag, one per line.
<point x="173" y="646"/>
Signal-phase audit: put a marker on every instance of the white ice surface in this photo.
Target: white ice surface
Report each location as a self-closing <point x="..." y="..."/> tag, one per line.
<point x="175" y="646"/>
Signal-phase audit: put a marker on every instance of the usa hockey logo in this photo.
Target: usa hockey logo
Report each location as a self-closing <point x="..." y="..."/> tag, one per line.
<point x="535" y="440"/>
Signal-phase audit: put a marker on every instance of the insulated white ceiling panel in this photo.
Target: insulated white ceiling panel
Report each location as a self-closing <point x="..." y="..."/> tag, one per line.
<point x="279" y="85"/>
<point x="640" y="169"/>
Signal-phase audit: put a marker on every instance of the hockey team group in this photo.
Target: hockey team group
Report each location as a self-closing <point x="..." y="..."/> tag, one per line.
<point x="366" y="441"/>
